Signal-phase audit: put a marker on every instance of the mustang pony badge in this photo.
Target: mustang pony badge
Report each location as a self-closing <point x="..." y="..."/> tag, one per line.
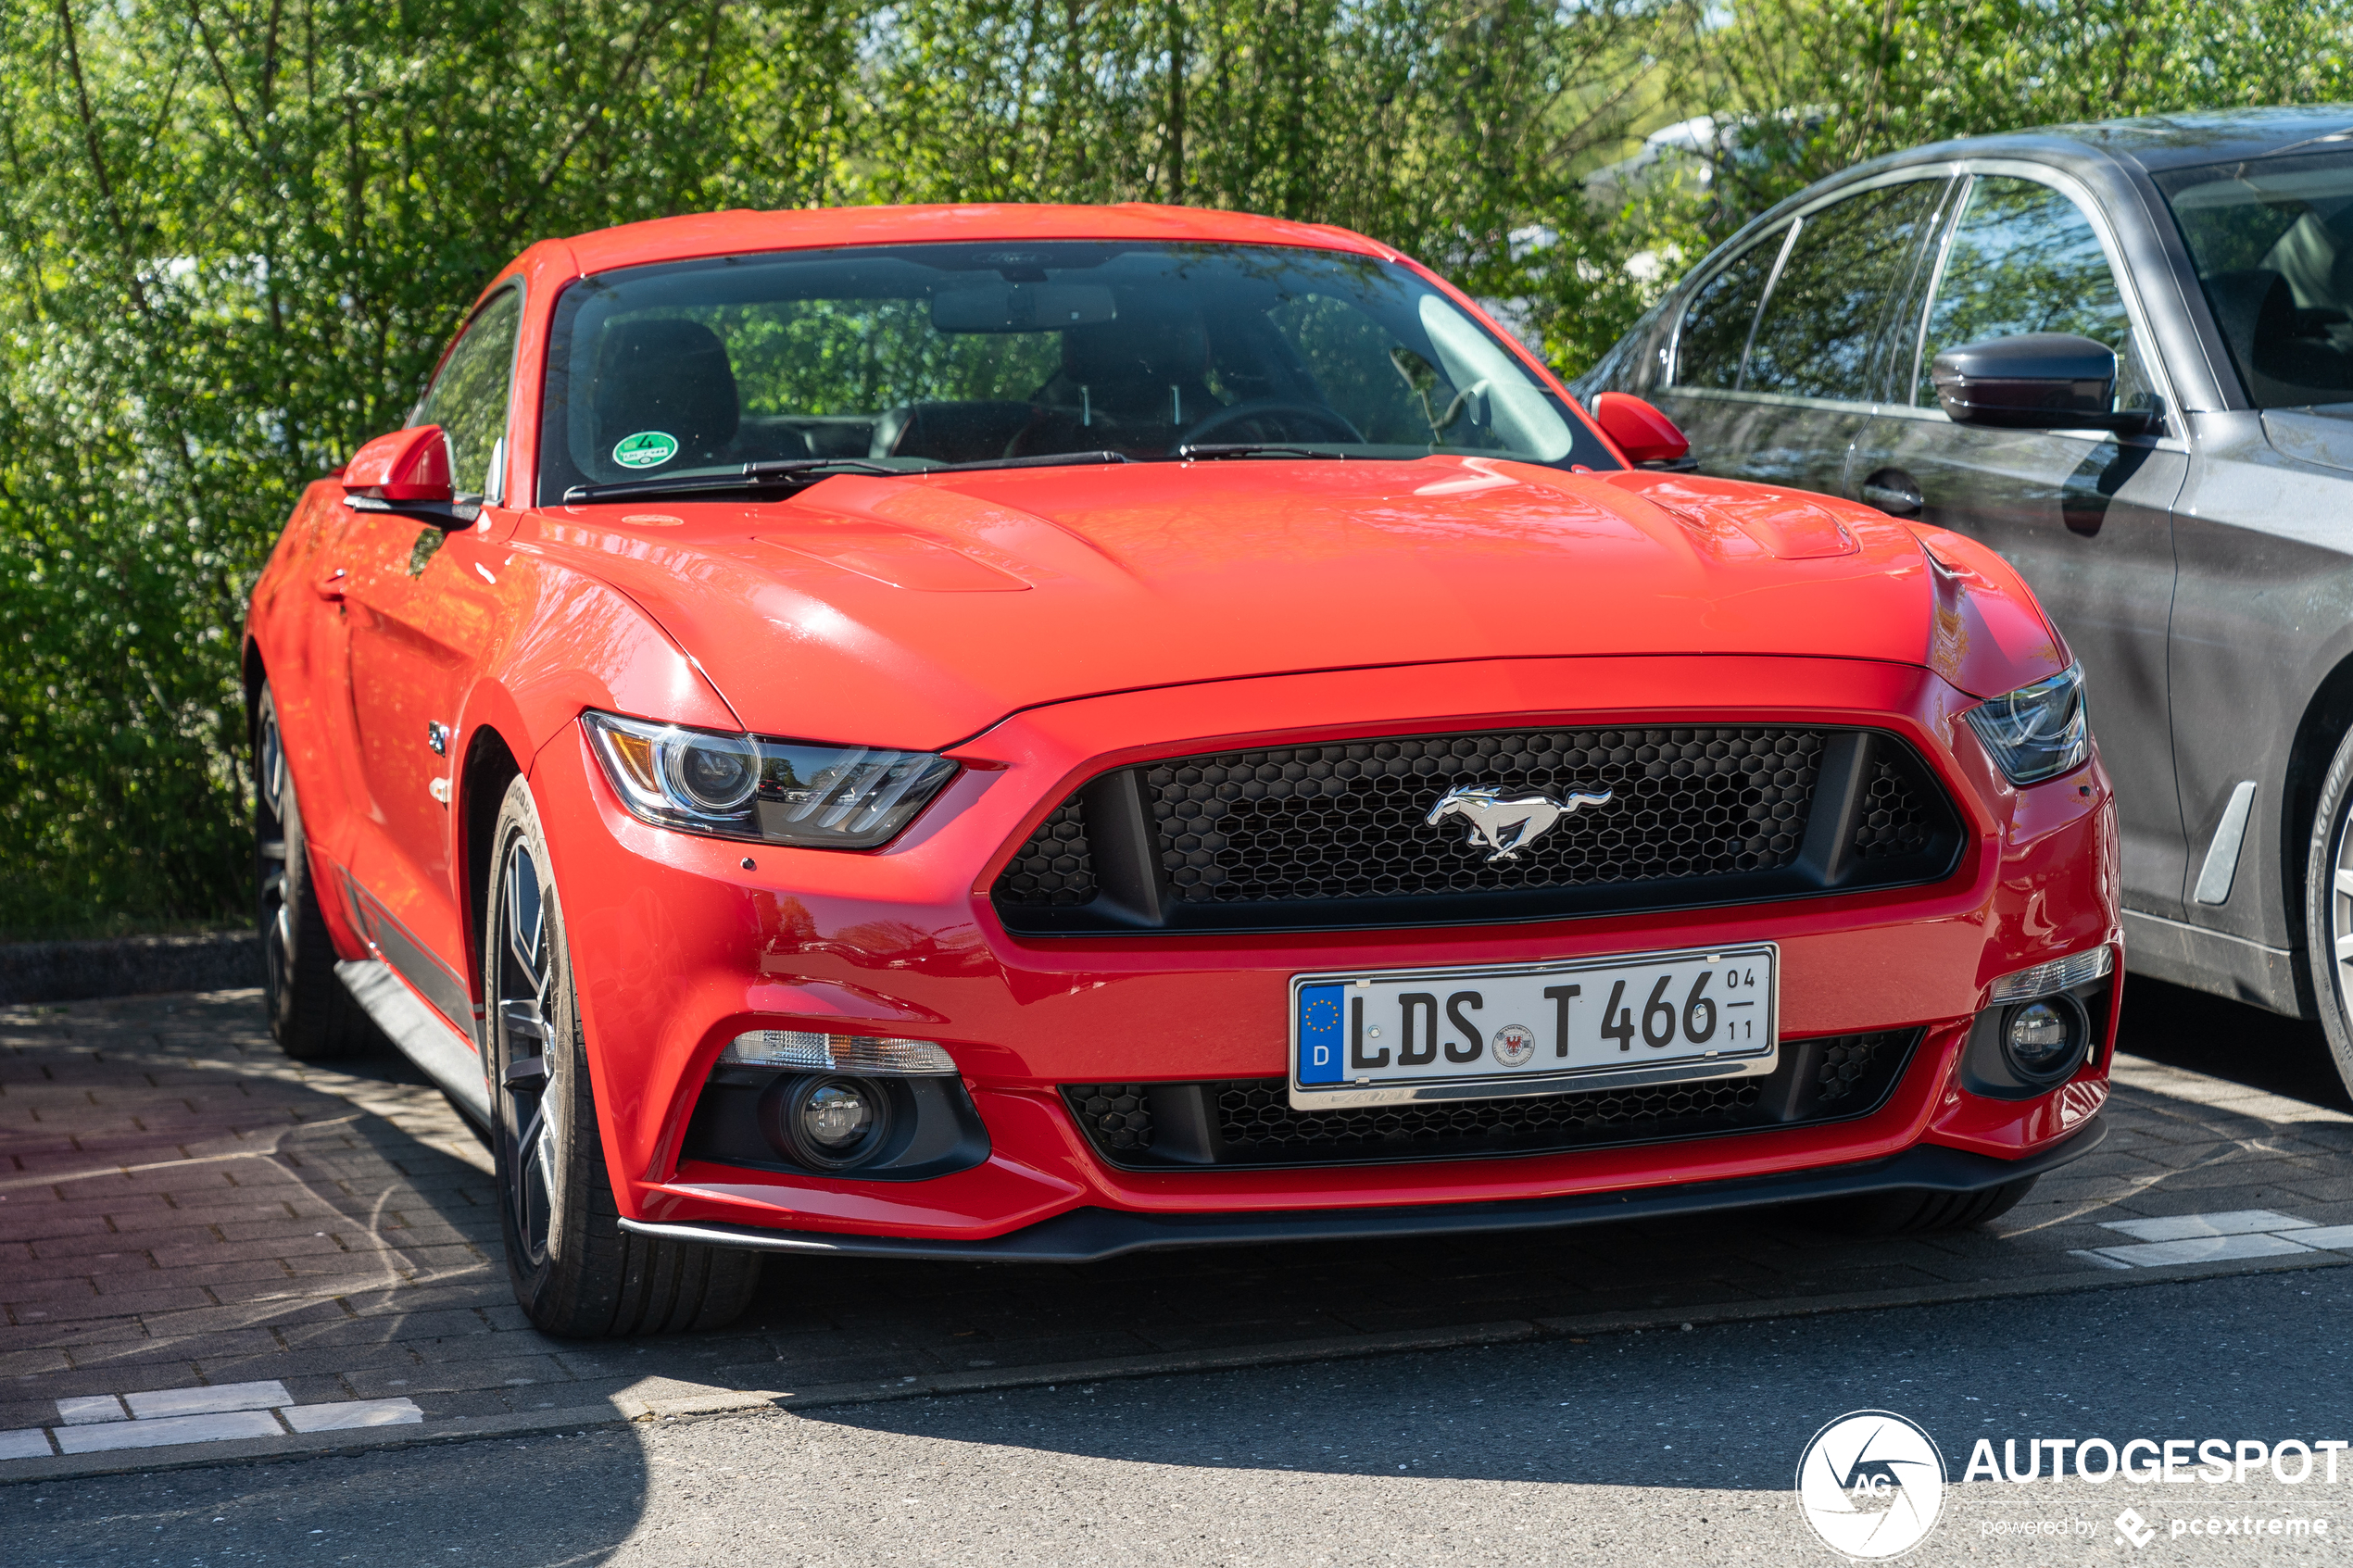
<point x="1506" y="826"/>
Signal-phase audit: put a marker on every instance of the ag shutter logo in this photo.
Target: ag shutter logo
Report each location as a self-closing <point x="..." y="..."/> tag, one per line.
<point x="1871" y="1483"/>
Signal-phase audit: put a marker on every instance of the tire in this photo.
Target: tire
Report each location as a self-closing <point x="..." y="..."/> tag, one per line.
<point x="2328" y="908"/>
<point x="576" y="1273"/>
<point x="1916" y="1211"/>
<point x="311" y="1016"/>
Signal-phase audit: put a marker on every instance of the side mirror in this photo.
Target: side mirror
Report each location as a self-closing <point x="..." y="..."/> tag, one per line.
<point x="1648" y="438"/>
<point x="407" y="473"/>
<point x="2035" y="380"/>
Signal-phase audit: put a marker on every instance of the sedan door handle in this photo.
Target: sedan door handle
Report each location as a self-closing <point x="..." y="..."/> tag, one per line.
<point x="331" y="586"/>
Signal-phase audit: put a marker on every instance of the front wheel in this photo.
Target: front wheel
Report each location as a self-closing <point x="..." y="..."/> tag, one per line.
<point x="575" y="1271"/>
<point x="2328" y="908"/>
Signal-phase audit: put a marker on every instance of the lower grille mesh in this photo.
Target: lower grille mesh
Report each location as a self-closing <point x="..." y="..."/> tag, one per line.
<point x="1250" y="1121"/>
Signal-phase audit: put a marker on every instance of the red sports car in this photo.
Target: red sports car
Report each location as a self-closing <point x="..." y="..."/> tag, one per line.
<point x="1029" y="733"/>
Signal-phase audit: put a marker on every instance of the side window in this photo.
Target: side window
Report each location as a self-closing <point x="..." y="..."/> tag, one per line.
<point x="2023" y="258"/>
<point x="469" y="397"/>
<point x="1829" y="304"/>
<point x="1715" y="330"/>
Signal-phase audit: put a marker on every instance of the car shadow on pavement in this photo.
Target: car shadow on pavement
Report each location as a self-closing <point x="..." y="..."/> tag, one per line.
<point x="2225" y="1039"/>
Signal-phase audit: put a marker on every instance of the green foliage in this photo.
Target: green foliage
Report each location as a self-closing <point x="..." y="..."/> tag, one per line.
<point x="235" y="235"/>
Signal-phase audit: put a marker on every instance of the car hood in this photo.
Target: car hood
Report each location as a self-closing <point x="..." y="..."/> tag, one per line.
<point x="917" y="612"/>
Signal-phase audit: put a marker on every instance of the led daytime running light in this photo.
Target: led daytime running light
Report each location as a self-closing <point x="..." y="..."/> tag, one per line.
<point x="876" y="1055"/>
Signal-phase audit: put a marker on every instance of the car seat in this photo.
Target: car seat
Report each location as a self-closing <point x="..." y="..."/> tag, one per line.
<point x="671" y="375"/>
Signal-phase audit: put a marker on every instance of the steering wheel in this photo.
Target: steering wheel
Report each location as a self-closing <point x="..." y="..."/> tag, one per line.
<point x="1331" y="420"/>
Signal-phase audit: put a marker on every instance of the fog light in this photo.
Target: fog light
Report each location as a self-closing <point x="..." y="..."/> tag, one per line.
<point x="834" y="1123"/>
<point x="2045" y="1039"/>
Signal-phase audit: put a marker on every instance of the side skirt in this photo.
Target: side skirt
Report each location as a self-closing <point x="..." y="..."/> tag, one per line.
<point x="448" y="1059"/>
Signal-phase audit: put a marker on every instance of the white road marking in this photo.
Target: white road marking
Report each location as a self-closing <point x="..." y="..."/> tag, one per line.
<point x="169" y="1429"/>
<point x="2182" y="1227"/>
<point x="93" y="1408"/>
<point x="2204" y="1249"/>
<point x="352" y="1413"/>
<point x="31" y="1443"/>
<point x="215" y="1399"/>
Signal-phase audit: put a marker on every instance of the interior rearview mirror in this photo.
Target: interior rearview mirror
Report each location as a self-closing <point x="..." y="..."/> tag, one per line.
<point x="1021" y="307"/>
<point x="2035" y="381"/>
<point x="1648" y="438"/>
<point x="407" y="473"/>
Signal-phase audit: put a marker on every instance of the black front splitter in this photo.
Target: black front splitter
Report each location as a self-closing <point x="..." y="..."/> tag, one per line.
<point x="1086" y="1236"/>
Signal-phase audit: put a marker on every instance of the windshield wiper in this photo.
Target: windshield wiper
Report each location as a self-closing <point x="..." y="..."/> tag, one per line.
<point x="1196" y="451"/>
<point x="1048" y="461"/>
<point x="751" y="476"/>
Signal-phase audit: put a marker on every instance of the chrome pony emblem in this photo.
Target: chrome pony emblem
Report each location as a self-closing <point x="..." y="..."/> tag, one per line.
<point x="1504" y="825"/>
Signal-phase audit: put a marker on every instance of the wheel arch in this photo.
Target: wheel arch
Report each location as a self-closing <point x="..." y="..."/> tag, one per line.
<point x="489" y="765"/>
<point x="2327" y="718"/>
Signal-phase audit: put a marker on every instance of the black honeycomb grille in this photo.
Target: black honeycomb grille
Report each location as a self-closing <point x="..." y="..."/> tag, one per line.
<point x="1892" y="821"/>
<point x="1338" y="837"/>
<point x="1351" y="822"/>
<point x="1251" y="1122"/>
<point x="1054" y="870"/>
<point x="1261" y="1127"/>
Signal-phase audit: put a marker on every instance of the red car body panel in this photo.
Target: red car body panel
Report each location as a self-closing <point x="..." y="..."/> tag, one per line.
<point x="1041" y="626"/>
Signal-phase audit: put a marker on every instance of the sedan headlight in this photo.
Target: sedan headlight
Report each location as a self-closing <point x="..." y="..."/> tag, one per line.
<point x="2037" y="731"/>
<point x="758" y="787"/>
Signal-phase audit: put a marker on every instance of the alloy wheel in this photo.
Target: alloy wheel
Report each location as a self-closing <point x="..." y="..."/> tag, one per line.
<point x="526" y="1060"/>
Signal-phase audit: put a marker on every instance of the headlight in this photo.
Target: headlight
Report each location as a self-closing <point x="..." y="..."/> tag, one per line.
<point x="758" y="787"/>
<point x="2037" y="731"/>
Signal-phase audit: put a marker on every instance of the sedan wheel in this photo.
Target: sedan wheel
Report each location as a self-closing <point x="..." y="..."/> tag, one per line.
<point x="2328" y="908"/>
<point x="574" y="1271"/>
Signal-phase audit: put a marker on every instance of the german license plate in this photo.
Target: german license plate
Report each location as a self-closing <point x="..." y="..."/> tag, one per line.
<point x="1392" y="1036"/>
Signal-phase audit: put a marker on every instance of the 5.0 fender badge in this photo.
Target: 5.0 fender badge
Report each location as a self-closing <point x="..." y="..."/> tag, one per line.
<point x="1505" y="825"/>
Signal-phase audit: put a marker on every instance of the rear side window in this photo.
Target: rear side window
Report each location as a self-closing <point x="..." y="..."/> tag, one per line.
<point x="1818" y="331"/>
<point x="2023" y="258"/>
<point x="469" y="397"/>
<point x="1715" y="331"/>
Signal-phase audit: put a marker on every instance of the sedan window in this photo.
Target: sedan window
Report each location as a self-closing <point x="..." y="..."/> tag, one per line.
<point x="768" y="367"/>
<point x="2023" y="258"/>
<point x="1714" y="337"/>
<point x="2273" y="242"/>
<point x="1819" y="327"/>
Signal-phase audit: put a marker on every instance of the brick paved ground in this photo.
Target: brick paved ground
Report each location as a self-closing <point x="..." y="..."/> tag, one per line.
<point x="180" y="1206"/>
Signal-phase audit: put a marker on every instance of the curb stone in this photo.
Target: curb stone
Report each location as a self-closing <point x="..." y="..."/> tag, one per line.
<point x="128" y="966"/>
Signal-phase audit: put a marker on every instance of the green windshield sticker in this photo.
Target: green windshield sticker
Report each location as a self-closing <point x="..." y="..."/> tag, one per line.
<point x="646" y="449"/>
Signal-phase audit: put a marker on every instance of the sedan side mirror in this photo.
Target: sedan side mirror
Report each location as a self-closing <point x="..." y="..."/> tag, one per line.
<point x="2035" y="381"/>
<point x="1648" y="438"/>
<point x="407" y="473"/>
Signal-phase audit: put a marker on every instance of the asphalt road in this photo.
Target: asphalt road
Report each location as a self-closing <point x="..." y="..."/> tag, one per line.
<point x="1638" y="1448"/>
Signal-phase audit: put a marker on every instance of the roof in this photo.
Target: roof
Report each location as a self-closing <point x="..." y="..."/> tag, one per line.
<point x="2159" y="142"/>
<point x="736" y="233"/>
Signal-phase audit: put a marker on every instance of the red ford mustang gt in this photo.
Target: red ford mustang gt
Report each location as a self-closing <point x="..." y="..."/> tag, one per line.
<point x="1030" y="733"/>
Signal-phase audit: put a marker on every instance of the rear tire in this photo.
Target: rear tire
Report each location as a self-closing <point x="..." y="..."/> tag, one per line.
<point x="1916" y="1211"/>
<point x="311" y="1016"/>
<point x="2328" y="908"/>
<point x="576" y="1273"/>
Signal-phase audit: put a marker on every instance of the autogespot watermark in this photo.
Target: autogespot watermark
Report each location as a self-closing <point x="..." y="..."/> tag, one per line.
<point x="1871" y="1483"/>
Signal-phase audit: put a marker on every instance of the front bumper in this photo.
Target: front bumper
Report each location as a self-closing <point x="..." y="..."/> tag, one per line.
<point x="677" y="946"/>
<point x="1090" y="1235"/>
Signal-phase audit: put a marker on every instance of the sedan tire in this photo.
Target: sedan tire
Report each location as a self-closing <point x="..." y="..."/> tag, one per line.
<point x="576" y="1273"/>
<point x="2328" y="908"/>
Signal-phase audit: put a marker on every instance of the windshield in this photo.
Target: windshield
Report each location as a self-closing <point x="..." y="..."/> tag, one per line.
<point x="2273" y="242"/>
<point x="920" y="356"/>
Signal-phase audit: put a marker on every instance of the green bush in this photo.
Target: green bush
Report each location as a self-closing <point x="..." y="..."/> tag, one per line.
<point x="235" y="234"/>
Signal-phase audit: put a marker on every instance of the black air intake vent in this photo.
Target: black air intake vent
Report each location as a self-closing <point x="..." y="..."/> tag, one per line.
<point x="1248" y="1121"/>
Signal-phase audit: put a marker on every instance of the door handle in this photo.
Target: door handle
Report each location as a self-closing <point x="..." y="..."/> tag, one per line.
<point x="331" y="586"/>
<point x="1893" y="492"/>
